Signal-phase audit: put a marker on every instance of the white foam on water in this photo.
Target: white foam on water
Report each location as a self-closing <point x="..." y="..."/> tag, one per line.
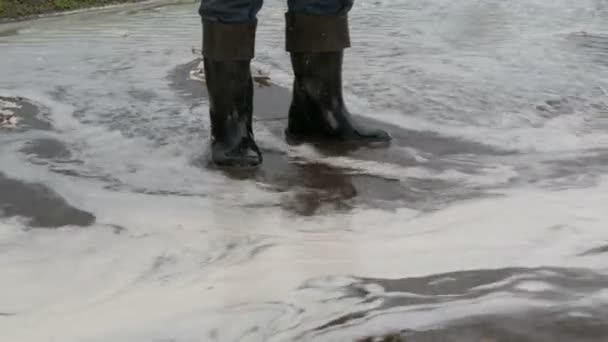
<point x="564" y="132"/>
<point x="559" y="134"/>
<point x="535" y="286"/>
<point x="59" y="112"/>
<point x="200" y="256"/>
<point x="4" y="104"/>
<point x="178" y="266"/>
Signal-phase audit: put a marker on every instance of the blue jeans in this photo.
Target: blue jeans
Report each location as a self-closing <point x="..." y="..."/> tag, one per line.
<point x="240" y="11"/>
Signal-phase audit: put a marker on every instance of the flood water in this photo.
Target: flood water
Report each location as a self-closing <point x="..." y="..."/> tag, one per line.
<point x="486" y="221"/>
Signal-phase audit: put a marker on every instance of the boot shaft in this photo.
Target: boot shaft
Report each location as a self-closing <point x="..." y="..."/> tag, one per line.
<point x="227" y="53"/>
<point x="230" y="88"/>
<point x="229" y="42"/>
<point x="313" y="34"/>
<point x="319" y="75"/>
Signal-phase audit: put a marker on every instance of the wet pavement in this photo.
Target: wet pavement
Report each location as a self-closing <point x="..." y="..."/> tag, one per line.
<point x="316" y="184"/>
<point x="483" y="221"/>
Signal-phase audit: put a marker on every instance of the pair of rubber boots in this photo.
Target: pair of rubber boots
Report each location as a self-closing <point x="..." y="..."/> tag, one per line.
<point x="317" y="111"/>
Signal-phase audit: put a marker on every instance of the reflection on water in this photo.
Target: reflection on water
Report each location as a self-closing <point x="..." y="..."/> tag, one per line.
<point x="483" y="221"/>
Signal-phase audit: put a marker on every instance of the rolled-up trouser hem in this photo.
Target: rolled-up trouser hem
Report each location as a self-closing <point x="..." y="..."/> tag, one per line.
<point x="240" y="11"/>
<point x="230" y="11"/>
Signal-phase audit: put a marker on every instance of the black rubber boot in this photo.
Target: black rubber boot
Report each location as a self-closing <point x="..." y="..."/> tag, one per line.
<point x="228" y="50"/>
<point x="318" y="111"/>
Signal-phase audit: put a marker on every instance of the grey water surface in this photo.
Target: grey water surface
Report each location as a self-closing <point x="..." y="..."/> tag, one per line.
<point x="484" y="221"/>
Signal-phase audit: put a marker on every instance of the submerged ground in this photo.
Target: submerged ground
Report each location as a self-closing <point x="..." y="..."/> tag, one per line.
<point x="484" y="221"/>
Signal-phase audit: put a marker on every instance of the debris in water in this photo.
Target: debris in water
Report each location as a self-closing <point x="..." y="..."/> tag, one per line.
<point x="8" y="120"/>
<point x="261" y="78"/>
<point x="7" y="116"/>
<point x="198" y="73"/>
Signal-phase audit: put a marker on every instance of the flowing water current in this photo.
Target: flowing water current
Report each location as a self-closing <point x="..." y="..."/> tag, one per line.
<point x="487" y="221"/>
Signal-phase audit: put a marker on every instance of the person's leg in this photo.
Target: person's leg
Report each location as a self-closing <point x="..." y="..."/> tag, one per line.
<point x="320" y="7"/>
<point x="230" y="11"/>
<point x="229" y="28"/>
<point x="317" y="33"/>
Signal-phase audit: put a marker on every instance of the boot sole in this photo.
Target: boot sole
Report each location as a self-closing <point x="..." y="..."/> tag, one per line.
<point x="233" y="165"/>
